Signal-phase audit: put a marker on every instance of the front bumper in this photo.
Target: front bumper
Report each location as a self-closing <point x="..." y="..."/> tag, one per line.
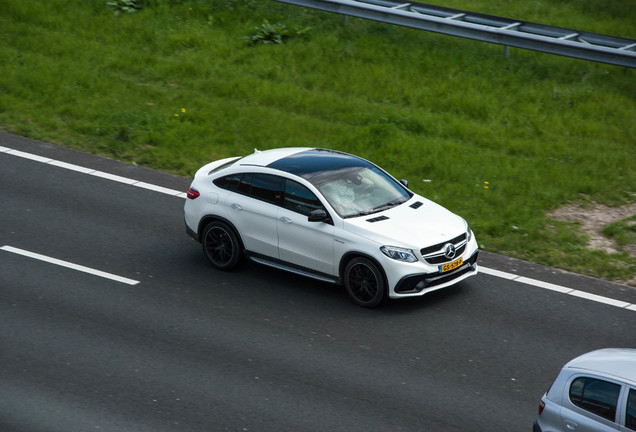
<point x="419" y="284"/>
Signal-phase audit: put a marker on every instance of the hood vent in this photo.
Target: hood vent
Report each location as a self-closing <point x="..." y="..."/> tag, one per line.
<point x="377" y="219"/>
<point x="416" y="204"/>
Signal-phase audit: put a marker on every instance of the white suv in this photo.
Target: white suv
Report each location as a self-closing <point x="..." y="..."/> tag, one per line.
<point x="331" y="216"/>
<point x="593" y="392"/>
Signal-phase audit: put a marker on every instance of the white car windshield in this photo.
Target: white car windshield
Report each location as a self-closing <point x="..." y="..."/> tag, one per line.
<point x="361" y="191"/>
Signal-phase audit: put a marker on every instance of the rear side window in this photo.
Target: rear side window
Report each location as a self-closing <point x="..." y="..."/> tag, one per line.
<point x="596" y="396"/>
<point x="229" y="182"/>
<point x="630" y="418"/>
<point x="264" y="187"/>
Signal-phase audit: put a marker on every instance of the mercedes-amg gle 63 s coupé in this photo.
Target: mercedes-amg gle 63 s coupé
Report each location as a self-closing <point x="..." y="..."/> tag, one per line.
<point x="328" y="215"/>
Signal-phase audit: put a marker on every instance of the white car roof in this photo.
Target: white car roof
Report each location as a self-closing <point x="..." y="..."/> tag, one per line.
<point x="617" y="362"/>
<point x="265" y="157"/>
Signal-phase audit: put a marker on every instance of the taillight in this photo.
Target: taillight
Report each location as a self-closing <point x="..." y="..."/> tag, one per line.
<point x="541" y="406"/>
<point x="193" y="193"/>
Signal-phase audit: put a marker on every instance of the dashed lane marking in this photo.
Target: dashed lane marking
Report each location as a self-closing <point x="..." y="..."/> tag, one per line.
<point x="69" y="265"/>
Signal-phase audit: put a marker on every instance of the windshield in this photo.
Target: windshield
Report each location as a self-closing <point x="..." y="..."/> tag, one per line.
<point x="359" y="191"/>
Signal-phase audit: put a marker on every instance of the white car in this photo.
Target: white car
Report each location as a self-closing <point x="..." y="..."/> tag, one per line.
<point x="593" y="392"/>
<point x="331" y="216"/>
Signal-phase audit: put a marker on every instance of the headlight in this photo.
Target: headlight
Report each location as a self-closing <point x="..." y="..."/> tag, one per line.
<point x="399" y="254"/>
<point x="469" y="232"/>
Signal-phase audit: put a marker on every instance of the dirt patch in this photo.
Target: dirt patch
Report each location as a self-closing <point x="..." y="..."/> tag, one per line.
<point x="594" y="219"/>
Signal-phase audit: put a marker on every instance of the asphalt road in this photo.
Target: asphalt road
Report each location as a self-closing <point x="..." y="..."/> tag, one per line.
<point x="183" y="347"/>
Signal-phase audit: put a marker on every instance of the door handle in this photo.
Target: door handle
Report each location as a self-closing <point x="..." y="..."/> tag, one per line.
<point x="570" y="425"/>
<point x="236" y="207"/>
<point x="285" y="219"/>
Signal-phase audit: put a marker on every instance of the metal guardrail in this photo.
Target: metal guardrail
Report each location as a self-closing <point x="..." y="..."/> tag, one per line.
<point x="487" y="28"/>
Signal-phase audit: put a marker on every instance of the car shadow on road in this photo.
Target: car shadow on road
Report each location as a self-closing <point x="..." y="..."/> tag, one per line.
<point x="304" y="289"/>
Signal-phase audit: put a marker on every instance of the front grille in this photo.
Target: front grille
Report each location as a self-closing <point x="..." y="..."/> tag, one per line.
<point x="440" y="259"/>
<point x="435" y="254"/>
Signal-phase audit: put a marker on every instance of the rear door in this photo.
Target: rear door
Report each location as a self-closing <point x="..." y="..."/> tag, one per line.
<point x="254" y="209"/>
<point x="590" y="404"/>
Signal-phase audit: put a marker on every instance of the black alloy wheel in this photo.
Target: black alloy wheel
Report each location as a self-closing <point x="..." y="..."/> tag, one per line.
<point x="221" y="246"/>
<point x="364" y="282"/>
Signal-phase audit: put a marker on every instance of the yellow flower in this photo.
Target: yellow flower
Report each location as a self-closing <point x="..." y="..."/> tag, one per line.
<point x="183" y="110"/>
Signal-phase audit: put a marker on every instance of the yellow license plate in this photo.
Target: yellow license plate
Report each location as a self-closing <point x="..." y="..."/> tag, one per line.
<point x="451" y="266"/>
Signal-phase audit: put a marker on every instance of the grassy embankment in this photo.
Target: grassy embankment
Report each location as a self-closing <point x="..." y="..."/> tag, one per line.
<point x="499" y="141"/>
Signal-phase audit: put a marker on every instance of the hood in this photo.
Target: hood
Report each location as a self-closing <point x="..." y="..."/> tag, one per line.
<point x="415" y="224"/>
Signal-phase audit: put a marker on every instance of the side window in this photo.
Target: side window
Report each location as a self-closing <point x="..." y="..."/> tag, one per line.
<point x="229" y="182"/>
<point x="246" y="184"/>
<point x="300" y="199"/>
<point x="596" y="396"/>
<point x="630" y="417"/>
<point x="264" y="187"/>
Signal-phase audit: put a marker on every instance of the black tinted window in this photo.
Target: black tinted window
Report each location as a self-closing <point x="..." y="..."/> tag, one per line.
<point x="595" y="395"/>
<point x="229" y="182"/>
<point x="266" y="187"/>
<point x="630" y="419"/>
<point x="262" y="186"/>
<point x="300" y="199"/>
<point x="246" y="184"/>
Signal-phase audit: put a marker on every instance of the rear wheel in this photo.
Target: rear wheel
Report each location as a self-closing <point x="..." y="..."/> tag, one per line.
<point x="221" y="246"/>
<point x="364" y="282"/>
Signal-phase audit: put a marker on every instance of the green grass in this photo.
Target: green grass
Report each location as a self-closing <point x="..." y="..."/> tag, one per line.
<point x="178" y="83"/>
<point x="623" y="231"/>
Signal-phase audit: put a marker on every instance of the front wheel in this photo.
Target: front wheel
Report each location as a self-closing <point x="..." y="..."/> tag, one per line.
<point x="221" y="246"/>
<point x="364" y="282"/>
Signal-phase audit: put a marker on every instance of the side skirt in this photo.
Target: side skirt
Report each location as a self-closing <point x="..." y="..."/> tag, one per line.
<point x="282" y="265"/>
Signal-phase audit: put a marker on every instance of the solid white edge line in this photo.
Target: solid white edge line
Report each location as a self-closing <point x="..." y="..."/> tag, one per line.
<point x="545" y="285"/>
<point x="113" y="177"/>
<point x="498" y="273"/>
<point x="558" y="288"/>
<point x="90" y="171"/>
<point x="71" y="167"/>
<point x="156" y="188"/>
<point x="600" y="299"/>
<point x="28" y="156"/>
<point x="172" y="192"/>
<point x="69" y="265"/>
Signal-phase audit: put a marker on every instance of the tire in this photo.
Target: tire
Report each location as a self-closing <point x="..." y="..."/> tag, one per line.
<point x="364" y="282"/>
<point x="221" y="246"/>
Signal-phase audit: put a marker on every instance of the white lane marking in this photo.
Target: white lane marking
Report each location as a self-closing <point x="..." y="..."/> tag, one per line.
<point x="69" y="265"/>
<point x="558" y="288"/>
<point x="486" y="270"/>
<point x="93" y="172"/>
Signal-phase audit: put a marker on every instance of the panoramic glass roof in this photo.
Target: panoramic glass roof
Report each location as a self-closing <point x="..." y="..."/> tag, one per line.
<point x="310" y="164"/>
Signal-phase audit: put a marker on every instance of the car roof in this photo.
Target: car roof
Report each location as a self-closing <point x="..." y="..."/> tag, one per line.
<point x="305" y="162"/>
<point x="617" y="362"/>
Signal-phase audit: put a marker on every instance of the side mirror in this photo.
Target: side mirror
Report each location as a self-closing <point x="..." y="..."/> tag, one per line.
<point x="404" y="182"/>
<point x="318" y="216"/>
